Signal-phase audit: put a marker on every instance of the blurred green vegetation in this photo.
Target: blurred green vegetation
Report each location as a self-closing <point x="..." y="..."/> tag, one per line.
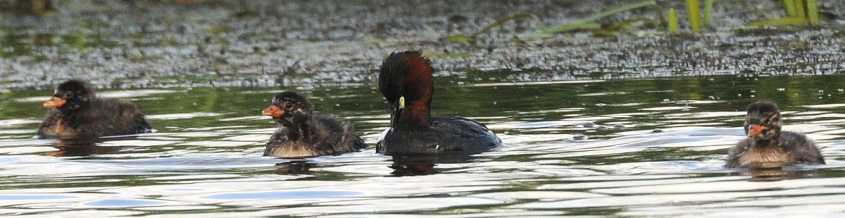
<point x="470" y="38"/>
<point x="672" y="19"/>
<point x="799" y="13"/>
<point x="694" y="15"/>
<point x="699" y="17"/>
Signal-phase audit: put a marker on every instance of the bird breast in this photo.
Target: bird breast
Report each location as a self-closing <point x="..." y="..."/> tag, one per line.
<point x="764" y="157"/>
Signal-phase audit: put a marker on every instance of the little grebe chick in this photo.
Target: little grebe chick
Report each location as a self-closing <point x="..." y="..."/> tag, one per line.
<point x="767" y="146"/>
<point x="405" y="80"/>
<point x="77" y="113"/>
<point x="304" y="133"/>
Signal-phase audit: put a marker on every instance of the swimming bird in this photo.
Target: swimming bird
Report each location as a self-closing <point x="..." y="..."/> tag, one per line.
<point x="405" y="80"/>
<point x="767" y="146"/>
<point x="302" y="132"/>
<point x="76" y="113"/>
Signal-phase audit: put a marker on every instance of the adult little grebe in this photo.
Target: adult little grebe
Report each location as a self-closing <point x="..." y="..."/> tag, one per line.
<point x="77" y="113"/>
<point x="405" y="80"/>
<point x="767" y="146"/>
<point x="305" y="133"/>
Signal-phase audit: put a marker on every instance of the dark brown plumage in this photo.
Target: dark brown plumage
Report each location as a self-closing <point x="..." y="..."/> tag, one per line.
<point x="77" y="114"/>
<point x="405" y="80"/>
<point x="767" y="146"/>
<point x="305" y="133"/>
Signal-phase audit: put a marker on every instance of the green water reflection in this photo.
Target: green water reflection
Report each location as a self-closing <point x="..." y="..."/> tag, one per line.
<point x="596" y="98"/>
<point x="563" y="141"/>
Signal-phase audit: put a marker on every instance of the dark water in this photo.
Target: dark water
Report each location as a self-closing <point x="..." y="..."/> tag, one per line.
<point x="629" y="148"/>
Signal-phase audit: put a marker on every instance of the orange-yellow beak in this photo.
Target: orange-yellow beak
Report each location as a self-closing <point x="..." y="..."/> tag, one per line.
<point x="755" y="130"/>
<point x="54" y="102"/>
<point x="274" y="111"/>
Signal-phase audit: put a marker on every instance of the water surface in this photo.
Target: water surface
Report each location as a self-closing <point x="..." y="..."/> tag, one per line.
<point x="628" y="148"/>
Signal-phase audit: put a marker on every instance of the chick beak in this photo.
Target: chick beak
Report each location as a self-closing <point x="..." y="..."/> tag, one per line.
<point x="755" y="130"/>
<point x="54" y="102"/>
<point x="273" y="111"/>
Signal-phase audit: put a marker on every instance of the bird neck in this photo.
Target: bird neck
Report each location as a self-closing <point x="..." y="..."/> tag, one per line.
<point x="772" y="141"/>
<point x="298" y="126"/>
<point x="416" y="115"/>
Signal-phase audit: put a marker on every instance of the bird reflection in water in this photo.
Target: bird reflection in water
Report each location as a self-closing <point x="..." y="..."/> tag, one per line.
<point x="81" y="147"/>
<point x="293" y="167"/>
<point x="777" y="173"/>
<point x="416" y="165"/>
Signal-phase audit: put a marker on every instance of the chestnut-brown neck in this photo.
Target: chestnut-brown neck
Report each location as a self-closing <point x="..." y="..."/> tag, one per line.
<point x="415" y="115"/>
<point x="416" y="89"/>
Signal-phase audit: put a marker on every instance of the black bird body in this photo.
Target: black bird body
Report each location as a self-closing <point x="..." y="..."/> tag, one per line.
<point x="405" y="80"/>
<point x="767" y="146"/>
<point x="78" y="114"/>
<point x="788" y="149"/>
<point x="304" y="133"/>
<point x="444" y="135"/>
